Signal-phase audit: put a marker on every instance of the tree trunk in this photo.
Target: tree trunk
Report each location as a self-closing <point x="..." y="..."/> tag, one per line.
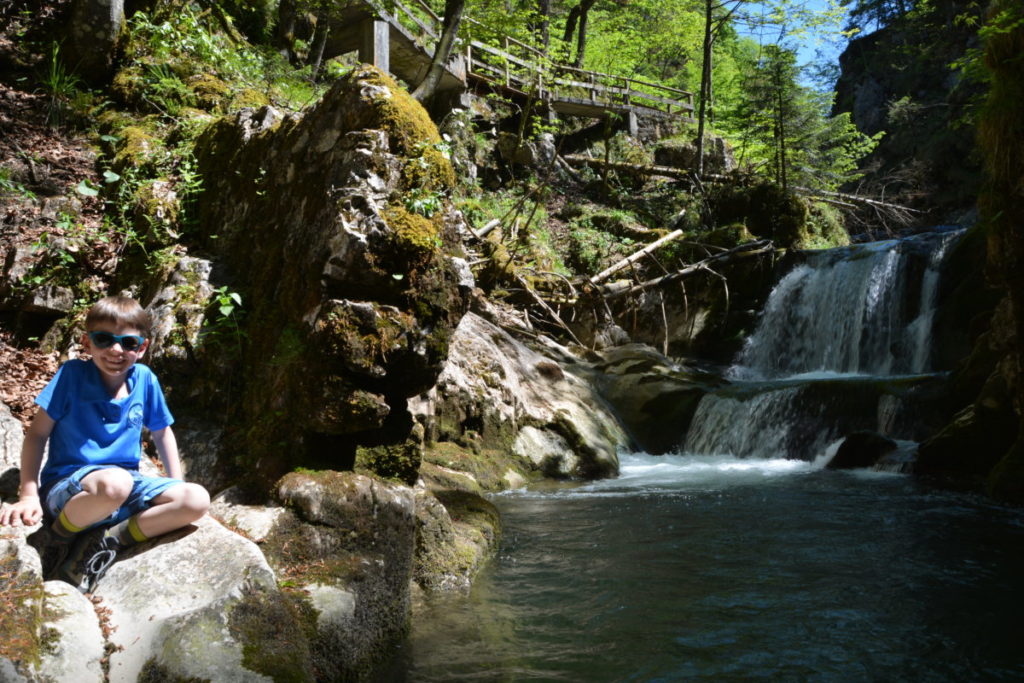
<point x="286" y="14"/>
<point x="544" y="25"/>
<point x="319" y="43"/>
<point x="581" y="33"/>
<point x="452" y="18"/>
<point x="705" y="87"/>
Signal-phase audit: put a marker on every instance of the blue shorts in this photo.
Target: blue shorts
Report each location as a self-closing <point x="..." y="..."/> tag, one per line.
<point x="144" y="490"/>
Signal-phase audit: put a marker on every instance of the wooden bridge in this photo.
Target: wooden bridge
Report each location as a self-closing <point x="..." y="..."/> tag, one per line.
<point x="403" y="42"/>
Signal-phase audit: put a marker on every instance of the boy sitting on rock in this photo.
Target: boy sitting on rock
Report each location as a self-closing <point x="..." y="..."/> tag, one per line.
<point x="92" y="415"/>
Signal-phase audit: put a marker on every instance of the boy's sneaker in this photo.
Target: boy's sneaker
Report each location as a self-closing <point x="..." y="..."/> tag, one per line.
<point x="89" y="560"/>
<point x="52" y="548"/>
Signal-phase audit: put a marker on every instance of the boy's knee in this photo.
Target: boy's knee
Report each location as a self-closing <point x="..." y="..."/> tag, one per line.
<point x="113" y="484"/>
<point x="196" y="499"/>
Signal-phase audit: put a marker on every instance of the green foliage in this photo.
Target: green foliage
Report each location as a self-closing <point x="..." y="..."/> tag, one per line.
<point x="61" y="86"/>
<point x="788" y="132"/>
<point x="223" y="324"/>
<point x="11" y="187"/>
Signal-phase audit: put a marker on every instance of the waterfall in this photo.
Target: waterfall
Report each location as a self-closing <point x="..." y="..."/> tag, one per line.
<point x="843" y="338"/>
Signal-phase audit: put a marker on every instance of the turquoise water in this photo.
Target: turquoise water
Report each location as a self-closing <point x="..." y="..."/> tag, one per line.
<point x="709" y="567"/>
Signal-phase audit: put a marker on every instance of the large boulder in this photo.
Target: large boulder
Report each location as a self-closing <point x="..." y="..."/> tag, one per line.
<point x="348" y="298"/>
<point x="93" y="32"/>
<point x="653" y="396"/>
<point x="201" y="603"/>
<point x="518" y="410"/>
<point x="347" y="544"/>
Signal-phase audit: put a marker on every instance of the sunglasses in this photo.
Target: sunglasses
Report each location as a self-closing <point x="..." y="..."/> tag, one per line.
<point x="128" y="342"/>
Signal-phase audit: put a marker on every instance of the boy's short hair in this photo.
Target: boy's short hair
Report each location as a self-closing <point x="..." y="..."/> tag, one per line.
<point x="119" y="311"/>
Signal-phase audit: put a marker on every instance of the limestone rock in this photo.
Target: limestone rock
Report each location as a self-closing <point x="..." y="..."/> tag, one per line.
<point x="718" y="156"/>
<point x="74" y="650"/>
<point x="349" y="298"/>
<point x="21" y="586"/>
<point x="654" y="397"/>
<point x="255" y="522"/>
<point x="500" y="395"/>
<point x="11" y="437"/>
<point x="172" y="604"/>
<point x="456" y="532"/>
<point x="348" y="543"/>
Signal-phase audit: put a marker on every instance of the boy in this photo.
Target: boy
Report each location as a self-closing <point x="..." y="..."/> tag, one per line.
<point x="92" y="415"/>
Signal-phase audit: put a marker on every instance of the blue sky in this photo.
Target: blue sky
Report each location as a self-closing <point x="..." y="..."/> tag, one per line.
<point x="811" y="46"/>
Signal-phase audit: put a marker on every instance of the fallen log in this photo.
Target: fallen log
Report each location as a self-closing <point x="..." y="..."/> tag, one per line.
<point x="635" y="256"/>
<point x="636" y="169"/>
<point x="624" y="287"/>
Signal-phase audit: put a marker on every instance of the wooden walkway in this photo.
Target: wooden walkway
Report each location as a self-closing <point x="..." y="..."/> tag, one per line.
<point x="402" y="43"/>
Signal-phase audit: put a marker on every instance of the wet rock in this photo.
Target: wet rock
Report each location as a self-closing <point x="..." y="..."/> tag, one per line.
<point x="861" y="450"/>
<point x="498" y="396"/>
<point x="456" y="532"/>
<point x="348" y="543"/>
<point x="654" y="397"/>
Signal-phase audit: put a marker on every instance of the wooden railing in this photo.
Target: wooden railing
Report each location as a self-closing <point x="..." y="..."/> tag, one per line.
<point x="517" y="66"/>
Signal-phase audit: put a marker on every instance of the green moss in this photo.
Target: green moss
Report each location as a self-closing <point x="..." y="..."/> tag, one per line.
<point x="413" y="135"/>
<point x="824" y="228"/>
<point x="766" y="209"/>
<point x="400" y="462"/>
<point x="275" y="631"/>
<point x="129" y="84"/>
<point x="210" y="91"/>
<point x="136" y="148"/>
<point x="248" y="97"/>
<point x="487" y="466"/>
<point x="417" y="239"/>
<point x="21" y="601"/>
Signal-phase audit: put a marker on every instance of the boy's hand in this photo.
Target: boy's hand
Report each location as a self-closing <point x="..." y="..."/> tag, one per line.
<point x="27" y="511"/>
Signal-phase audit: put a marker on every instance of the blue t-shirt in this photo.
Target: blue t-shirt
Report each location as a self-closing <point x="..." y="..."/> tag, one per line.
<point x="92" y="428"/>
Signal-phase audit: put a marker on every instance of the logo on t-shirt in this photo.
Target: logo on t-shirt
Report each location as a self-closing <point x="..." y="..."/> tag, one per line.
<point x="135" y="415"/>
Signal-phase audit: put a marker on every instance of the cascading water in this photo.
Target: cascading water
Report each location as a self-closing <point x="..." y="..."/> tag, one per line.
<point x="842" y="338"/>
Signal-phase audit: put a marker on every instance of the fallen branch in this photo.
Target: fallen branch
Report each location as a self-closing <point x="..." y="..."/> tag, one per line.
<point x="637" y="169"/>
<point x="855" y="198"/>
<point x="547" y="309"/>
<point x="636" y="256"/>
<point x="617" y="289"/>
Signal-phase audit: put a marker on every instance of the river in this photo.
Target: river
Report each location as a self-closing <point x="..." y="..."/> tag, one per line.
<point x="690" y="567"/>
<point x="743" y="556"/>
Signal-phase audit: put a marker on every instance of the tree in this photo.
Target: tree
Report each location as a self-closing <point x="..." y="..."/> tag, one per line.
<point x="788" y="126"/>
<point x="453" y="10"/>
<point x="576" y="23"/>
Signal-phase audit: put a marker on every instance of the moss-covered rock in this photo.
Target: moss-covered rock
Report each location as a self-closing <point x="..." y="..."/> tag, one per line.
<point x="456" y="532"/>
<point x="766" y="209"/>
<point x="315" y="236"/>
<point x="21" y="603"/>
<point x="348" y="546"/>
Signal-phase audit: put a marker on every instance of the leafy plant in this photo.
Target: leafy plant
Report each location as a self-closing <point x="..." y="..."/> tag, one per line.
<point x="223" y="325"/>
<point x="61" y="85"/>
<point x="9" y="186"/>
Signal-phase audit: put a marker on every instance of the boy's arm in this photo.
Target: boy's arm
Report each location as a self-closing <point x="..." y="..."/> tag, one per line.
<point x="29" y="509"/>
<point x="167" y="448"/>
